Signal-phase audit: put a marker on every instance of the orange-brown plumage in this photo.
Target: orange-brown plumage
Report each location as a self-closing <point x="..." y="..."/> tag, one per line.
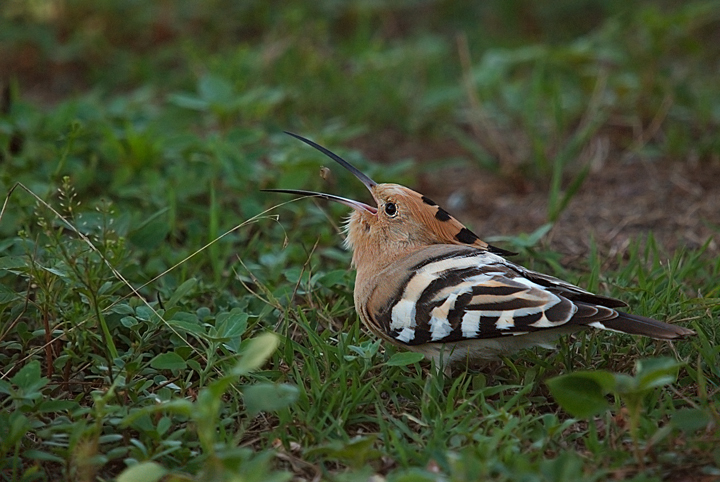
<point x="426" y="282"/>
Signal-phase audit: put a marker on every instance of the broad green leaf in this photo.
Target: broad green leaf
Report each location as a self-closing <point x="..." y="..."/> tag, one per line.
<point x="13" y="262"/>
<point x="188" y="101"/>
<point x="268" y="397"/>
<point x="151" y="234"/>
<point x="254" y="355"/>
<point x="7" y="295"/>
<point x="168" y="361"/>
<point x="5" y="387"/>
<point x="625" y="384"/>
<point x="691" y="419"/>
<point x="355" y="453"/>
<point x="13" y="427"/>
<point x="582" y="394"/>
<point x="332" y="278"/>
<point x="181" y="291"/>
<point x="230" y="325"/>
<point x="404" y="358"/>
<point x="215" y="90"/>
<point x="122" y="309"/>
<point x="180" y="407"/>
<point x="143" y="472"/>
<point x="191" y="327"/>
<point x="29" y="379"/>
<point x="49" y="406"/>
<point x="656" y="372"/>
<point x="44" y="456"/>
<point x="414" y="474"/>
<point x="128" y="321"/>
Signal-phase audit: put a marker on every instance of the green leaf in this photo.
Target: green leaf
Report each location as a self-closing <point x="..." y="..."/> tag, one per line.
<point x="7" y="295"/>
<point x="49" y="406"/>
<point x="44" y="456"/>
<point x="332" y="278"/>
<point x="181" y="291"/>
<point x="29" y="379"/>
<point x="13" y="262"/>
<point x="268" y="397"/>
<point x="168" y="361"/>
<point x="255" y="353"/>
<point x="582" y="394"/>
<point x="6" y="387"/>
<point x="404" y="358"/>
<point x="188" y="101"/>
<point x="215" y="90"/>
<point x="150" y="234"/>
<point x="656" y="372"/>
<point x="625" y="384"/>
<point x="230" y="325"/>
<point x="13" y="427"/>
<point x="128" y="321"/>
<point x="191" y="327"/>
<point x="180" y="407"/>
<point x="122" y="309"/>
<point x="691" y="419"/>
<point x="143" y="472"/>
<point x="355" y="453"/>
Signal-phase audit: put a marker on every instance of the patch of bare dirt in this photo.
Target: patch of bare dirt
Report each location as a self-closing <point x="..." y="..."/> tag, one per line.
<point x="679" y="204"/>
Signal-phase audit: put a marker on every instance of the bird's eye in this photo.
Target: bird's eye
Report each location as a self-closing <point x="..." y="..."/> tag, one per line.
<point x="390" y="209"/>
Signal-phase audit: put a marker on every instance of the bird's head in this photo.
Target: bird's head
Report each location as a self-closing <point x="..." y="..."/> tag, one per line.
<point x="402" y="221"/>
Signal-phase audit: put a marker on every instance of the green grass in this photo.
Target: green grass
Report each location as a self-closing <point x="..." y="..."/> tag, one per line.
<point x="141" y="268"/>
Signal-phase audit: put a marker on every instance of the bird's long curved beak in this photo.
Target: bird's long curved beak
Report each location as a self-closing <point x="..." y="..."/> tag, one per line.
<point x="357" y="205"/>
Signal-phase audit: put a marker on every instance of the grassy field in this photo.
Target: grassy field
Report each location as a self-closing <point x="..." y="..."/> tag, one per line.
<point x="161" y="317"/>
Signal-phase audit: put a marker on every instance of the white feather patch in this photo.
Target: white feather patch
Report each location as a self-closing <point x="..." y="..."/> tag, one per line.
<point x="470" y="324"/>
<point x="439" y="324"/>
<point x="506" y="320"/>
<point x="403" y="315"/>
<point x="597" y="324"/>
<point x="462" y="288"/>
<point x="406" y="335"/>
<point x="440" y="328"/>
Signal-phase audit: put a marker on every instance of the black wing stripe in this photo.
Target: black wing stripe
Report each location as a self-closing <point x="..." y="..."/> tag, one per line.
<point x="507" y="304"/>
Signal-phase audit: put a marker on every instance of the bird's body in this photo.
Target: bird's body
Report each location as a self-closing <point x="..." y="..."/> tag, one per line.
<point x="427" y="283"/>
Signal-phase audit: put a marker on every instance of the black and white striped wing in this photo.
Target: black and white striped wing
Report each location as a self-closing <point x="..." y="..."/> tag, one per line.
<point x="447" y="294"/>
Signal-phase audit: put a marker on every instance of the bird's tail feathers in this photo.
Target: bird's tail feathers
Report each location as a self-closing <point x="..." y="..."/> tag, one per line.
<point x="641" y="325"/>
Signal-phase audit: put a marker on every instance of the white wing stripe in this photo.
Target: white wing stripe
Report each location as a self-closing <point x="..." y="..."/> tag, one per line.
<point x="462" y="288"/>
<point x="506" y="320"/>
<point x="471" y="324"/>
<point x="406" y="335"/>
<point x="403" y="315"/>
<point x="439" y="324"/>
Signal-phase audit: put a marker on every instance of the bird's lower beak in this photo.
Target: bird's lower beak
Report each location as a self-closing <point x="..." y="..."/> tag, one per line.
<point x="357" y="205"/>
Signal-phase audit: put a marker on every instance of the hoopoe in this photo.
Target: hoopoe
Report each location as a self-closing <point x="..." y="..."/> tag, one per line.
<point x="426" y="283"/>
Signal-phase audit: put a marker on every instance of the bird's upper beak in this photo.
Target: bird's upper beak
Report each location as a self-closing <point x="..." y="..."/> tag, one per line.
<point x="357" y="205"/>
